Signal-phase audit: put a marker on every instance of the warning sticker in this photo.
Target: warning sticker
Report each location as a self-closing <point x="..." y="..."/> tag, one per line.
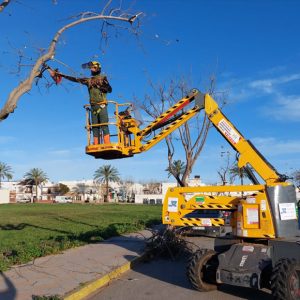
<point x="248" y="248"/>
<point x="206" y="222"/>
<point x="200" y="199"/>
<point x="263" y="205"/>
<point x="250" y="200"/>
<point x="228" y="131"/>
<point x="252" y="215"/>
<point x="287" y="211"/>
<point x="188" y="196"/>
<point x="172" y="204"/>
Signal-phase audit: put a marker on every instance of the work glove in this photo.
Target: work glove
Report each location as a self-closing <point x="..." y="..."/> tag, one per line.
<point x="55" y="75"/>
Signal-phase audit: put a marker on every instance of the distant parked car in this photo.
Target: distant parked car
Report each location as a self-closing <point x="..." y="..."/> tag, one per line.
<point x="63" y="199"/>
<point x="23" y="200"/>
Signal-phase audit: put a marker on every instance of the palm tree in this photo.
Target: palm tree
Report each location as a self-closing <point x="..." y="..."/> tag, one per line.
<point x="105" y="174"/>
<point x="5" y="172"/>
<point x="36" y="176"/>
<point x="176" y="169"/>
<point x="235" y="171"/>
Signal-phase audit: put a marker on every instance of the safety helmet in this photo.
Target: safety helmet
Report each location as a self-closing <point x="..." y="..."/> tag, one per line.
<point x="91" y="64"/>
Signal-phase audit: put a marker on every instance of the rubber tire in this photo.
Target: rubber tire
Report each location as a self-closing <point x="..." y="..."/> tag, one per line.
<point x="285" y="282"/>
<point x="196" y="270"/>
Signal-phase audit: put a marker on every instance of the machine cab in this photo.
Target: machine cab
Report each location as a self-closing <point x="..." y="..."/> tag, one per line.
<point x="123" y="132"/>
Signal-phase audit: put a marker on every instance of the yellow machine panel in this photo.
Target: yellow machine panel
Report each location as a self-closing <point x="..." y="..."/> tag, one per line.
<point x="187" y="206"/>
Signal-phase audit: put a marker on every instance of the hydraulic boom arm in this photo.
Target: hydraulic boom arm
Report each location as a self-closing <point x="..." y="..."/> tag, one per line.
<point x="248" y="154"/>
<point x="133" y="140"/>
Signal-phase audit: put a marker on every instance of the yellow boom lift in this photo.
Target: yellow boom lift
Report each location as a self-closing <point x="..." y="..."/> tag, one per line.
<point x="262" y="249"/>
<point x="129" y="138"/>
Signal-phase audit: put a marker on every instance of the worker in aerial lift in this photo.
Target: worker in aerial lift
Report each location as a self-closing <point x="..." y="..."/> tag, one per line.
<point x="98" y="86"/>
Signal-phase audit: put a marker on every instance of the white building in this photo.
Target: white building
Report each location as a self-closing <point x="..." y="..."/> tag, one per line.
<point x="83" y="190"/>
<point x="4" y="196"/>
<point x="145" y="197"/>
<point x="89" y="191"/>
<point x="158" y="198"/>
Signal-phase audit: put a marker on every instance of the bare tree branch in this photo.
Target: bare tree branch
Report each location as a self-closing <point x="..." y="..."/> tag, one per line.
<point x="26" y="85"/>
<point x="105" y="7"/>
<point x="224" y="171"/>
<point x="4" y="4"/>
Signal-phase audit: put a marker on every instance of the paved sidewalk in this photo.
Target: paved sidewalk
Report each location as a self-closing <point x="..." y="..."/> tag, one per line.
<point x="76" y="272"/>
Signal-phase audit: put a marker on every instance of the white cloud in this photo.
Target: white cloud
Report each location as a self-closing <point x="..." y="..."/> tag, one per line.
<point x="286" y="108"/>
<point x="243" y="89"/>
<point x="272" y="147"/>
<point x="270" y="85"/>
<point x="273" y="70"/>
<point x="265" y="85"/>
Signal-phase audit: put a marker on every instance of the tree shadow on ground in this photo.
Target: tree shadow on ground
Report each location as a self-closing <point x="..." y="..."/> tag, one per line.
<point x="171" y="268"/>
<point x="10" y="292"/>
<point x="90" y="236"/>
<point x="22" y="226"/>
<point x="74" y="221"/>
<point x="60" y="241"/>
<point x="174" y="273"/>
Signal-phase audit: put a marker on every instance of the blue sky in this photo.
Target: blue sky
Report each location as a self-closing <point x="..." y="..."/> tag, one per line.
<point x="253" y="47"/>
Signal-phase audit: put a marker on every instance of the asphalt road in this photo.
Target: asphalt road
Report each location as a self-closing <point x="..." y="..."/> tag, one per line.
<point x="166" y="279"/>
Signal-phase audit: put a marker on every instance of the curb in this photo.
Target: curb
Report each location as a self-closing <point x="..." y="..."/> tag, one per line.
<point x="93" y="286"/>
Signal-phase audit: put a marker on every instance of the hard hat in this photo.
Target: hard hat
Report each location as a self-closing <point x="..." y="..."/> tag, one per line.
<point x="91" y="64"/>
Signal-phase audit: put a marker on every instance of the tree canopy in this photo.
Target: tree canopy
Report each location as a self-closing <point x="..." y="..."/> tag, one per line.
<point x="5" y="172"/>
<point x="106" y="174"/>
<point x="37" y="176"/>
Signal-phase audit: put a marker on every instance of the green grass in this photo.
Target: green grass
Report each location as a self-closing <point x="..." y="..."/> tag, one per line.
<point x="28" y="231"/>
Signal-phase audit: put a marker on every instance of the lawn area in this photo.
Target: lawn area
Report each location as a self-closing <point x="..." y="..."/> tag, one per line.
<point x="28" y="231"/>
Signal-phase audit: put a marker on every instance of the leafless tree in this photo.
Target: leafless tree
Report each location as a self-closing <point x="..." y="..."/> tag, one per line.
<point x="296" y="178"/>
<point x="152" y="188"/>
<point x="229" y="172"/>
<point x="110" y="17"/>
<point x="224" y="171"/>
<point x="126" y="189"/>
<point x="80" y="189"/>
<point x="191" y="136"/>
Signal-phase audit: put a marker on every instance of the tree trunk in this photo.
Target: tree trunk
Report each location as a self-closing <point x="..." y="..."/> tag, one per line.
<point x="31" y="189"/>
<point x="106" y="192"/>
<point x="36" y="193"/>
